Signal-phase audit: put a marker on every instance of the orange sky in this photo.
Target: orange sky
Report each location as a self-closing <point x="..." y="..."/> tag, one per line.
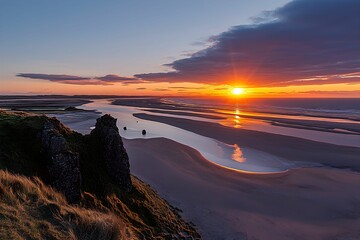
<point x="290" y="50"/>
<point x="25" y="86"/>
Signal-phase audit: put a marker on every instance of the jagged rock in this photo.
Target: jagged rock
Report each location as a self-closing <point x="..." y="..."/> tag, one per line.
<point x="63" y="164"/>
<point x="115" y="157"/>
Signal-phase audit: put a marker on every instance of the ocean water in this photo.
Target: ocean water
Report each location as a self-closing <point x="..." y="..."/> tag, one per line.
<point x="230" y="156"/>
<point x="335" y="121"/>
<point x="320" y="104"/>
<point x="328" y="107"/>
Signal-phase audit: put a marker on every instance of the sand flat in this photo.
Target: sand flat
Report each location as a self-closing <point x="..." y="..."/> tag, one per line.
<point x="287" y="147"/>
<point x="311" y="203"/>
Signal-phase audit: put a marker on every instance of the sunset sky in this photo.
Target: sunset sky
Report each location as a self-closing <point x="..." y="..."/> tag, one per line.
<point x="271" y="48"/>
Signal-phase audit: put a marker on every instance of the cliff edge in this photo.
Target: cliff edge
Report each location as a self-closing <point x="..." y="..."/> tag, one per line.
<point x="91" y="172"/>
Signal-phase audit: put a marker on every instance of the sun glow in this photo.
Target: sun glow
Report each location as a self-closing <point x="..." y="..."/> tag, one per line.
<point x="238" y="91"/>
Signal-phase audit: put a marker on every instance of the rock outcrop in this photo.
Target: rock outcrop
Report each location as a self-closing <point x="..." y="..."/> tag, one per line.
<point x="114" y="154"/>
<point x="62" y="163"/>
<point x="39" y="146"/>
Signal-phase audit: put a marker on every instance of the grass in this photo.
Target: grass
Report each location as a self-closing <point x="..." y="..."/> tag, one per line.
<point x="31" y="210"/>
<point x="41" y="213"/>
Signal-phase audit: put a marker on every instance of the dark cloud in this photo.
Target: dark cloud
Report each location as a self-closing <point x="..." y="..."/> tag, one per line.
<point x="62" y="78"/>
<point x="77" y="80"/>
<point x="85" y="82"/>
<point x="305" y="39"/>
<point x="52" y="77"/>
<point x="115" y="78"/>
<point x="352" y="79"/>
<point x="166" y="77"/>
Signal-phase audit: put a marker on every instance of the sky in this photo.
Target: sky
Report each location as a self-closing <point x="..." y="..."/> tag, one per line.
<point x="271" y="48"/>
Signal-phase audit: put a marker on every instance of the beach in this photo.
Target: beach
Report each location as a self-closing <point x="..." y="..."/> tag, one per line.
<point x="180" y="120"/>
<point x="307" y="203"/>
<point x="301" y="203"/>
<point x="294" y="149"/>
<point x="316" y="197"/>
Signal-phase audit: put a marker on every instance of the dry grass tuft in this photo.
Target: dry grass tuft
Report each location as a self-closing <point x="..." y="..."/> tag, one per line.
<point x="31" y="210"/>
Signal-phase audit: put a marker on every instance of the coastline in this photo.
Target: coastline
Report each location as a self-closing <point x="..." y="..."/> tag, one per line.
<point x="352" y="127"/>
<point x="306" y="203"/>
<point x="291" y="148"/>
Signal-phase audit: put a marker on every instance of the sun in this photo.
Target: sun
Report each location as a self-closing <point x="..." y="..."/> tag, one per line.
<point x="238" y="91"/>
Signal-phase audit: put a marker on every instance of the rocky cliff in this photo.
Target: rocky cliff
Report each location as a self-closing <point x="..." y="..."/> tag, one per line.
<point x="62" y="164"/>
<point x="91" y="170"/>
<point x="114" y="154"/>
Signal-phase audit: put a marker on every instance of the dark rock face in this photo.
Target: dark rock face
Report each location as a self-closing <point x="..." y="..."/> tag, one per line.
<point x="115" y="157"/>
<point x="62" y="165"/>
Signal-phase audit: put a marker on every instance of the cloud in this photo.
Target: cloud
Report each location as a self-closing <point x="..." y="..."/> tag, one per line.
<point x="77" y="80"/>
<point x="52" y="77"/>
<point x="141" y="88"/>
<point x="305" y="39"/>
<point x="115" y="78"/>
<point x="186" y="88"/>
<point x="166" y="77"/>
<point x="161" y="89"/>
<point x="347" y="93"/>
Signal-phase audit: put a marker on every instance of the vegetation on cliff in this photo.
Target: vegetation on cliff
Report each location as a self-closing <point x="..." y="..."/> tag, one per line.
<point x="31" y="210"/>
<point x="138" y="213"/>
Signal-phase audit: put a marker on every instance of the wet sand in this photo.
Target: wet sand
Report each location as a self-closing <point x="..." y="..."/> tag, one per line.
<point x="40" y="102"/>
<point x="306" y="203"/>
<point x="79" y="121"/>
<point x="311" y="203"/>
<point x="173" y="112"/>
<point x="290" y="148"/>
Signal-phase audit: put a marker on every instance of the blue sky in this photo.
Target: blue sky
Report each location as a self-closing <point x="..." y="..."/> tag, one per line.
<point x="122" y="37"/>
<point x="121" y="47"/>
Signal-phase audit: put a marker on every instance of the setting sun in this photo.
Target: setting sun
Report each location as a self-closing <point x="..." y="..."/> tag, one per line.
<point x="238" y="91"/>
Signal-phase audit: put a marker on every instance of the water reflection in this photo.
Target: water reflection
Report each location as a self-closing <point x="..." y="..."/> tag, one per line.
<point x="237" y="119"/>
<point x="238" y="154"/>
<point x="229" y="156"/>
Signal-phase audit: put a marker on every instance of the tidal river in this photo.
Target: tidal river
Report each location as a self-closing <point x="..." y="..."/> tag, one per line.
<point x="233" y="156"/>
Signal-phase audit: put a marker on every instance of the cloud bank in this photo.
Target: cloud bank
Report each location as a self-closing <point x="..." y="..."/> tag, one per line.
<point x="115" y="78"/>
<point x="109" y="79"/>
<point x="304" y="42"/>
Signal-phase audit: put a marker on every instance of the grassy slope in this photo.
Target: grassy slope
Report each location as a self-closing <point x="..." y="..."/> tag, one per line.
<point x="143" y="212"/>
<point x="31" y="210"/>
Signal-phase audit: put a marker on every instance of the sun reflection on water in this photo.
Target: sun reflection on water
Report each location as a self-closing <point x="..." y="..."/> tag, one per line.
<point x="237" y="119"/>
<point x="238" y="154"/>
